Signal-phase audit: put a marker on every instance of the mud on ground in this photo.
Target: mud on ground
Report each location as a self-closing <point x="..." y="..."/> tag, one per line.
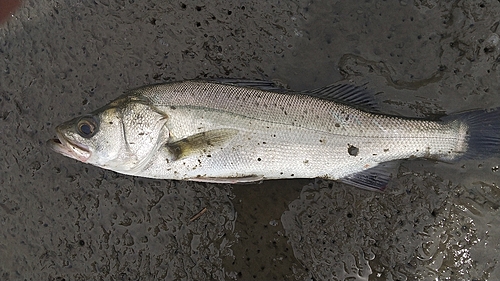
<point x="63" y="220"/>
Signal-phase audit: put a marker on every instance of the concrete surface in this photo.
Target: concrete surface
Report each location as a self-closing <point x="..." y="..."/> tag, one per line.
<point x="63" y="220"/>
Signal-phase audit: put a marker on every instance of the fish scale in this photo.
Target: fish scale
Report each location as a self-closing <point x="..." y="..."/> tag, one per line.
<point x="296" y="143"/>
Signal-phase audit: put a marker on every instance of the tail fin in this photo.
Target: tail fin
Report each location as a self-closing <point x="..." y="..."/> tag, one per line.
<point x="483" y="132"/>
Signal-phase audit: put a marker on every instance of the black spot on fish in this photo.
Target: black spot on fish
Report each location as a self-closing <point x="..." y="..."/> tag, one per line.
<point x="172" y="107"/>
<point x="258" y="159"/>
<point x="352" y="150"/>
<point x="387" y="149"/>
<point x="337" y="125"/>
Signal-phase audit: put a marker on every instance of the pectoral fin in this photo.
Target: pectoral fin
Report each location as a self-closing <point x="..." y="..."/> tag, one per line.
<point x="202" y="142"/>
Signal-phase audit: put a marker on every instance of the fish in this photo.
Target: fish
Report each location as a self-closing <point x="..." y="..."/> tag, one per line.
<point x="244" y="131"/>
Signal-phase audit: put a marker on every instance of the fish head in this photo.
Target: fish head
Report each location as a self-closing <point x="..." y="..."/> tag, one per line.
<point x="121" y="136"/>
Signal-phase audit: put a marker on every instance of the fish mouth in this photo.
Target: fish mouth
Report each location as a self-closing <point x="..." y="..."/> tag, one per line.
<point x="69" y="148"/>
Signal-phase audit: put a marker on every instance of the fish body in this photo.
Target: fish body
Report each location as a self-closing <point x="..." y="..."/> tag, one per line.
<point x="243" y="132"/>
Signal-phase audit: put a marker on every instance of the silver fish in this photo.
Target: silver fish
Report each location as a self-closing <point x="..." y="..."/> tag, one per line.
<point x="231" y="131"/>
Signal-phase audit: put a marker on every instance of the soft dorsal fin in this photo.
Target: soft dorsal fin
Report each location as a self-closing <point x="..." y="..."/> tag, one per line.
<point x="204" y="141"/>
<point x="347" y="94"/>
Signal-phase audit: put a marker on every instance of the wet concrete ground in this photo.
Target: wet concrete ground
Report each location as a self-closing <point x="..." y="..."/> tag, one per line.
<point x="64" y="220"/>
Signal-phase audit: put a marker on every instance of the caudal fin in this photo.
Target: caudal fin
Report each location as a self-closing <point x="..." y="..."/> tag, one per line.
<point x="483" y="132"/>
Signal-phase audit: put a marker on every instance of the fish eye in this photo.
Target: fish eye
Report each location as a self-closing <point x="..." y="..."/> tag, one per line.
<point x="87" y="127"/>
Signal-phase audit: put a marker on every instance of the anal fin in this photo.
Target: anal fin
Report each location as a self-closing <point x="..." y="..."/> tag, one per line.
<point x="376" y="178"/>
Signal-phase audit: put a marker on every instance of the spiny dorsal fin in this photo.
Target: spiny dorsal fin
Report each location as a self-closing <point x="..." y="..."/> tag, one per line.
<point x="347" y="94"/>
<point x="200" y="142"/>
<point x="256" y="84"/>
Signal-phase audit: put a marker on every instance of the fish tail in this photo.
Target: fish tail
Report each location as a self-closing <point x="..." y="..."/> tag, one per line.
<point x="482" y="134"/>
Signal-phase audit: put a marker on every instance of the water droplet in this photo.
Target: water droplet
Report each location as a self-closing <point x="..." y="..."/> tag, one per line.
<point x="273" y="223"/>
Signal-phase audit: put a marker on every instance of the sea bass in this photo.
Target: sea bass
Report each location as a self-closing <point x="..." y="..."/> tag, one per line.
<point x="231" y="131"/>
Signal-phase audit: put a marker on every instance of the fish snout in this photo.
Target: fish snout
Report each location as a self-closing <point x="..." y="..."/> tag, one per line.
<point x="72" y="149"/>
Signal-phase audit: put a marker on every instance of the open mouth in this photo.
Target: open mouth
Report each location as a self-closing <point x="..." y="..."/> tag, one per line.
<point x="68" y="148"/>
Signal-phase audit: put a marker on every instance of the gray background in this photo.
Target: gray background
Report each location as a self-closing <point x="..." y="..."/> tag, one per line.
<point x="64" y="220"/>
